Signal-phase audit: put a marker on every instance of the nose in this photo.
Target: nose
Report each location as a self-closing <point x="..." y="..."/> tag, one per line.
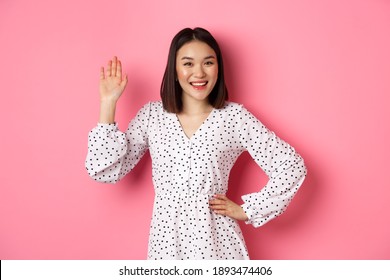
<point x="199" y="72"/>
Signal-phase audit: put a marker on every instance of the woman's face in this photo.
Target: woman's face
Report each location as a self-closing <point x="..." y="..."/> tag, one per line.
<point x="197" y="70"/>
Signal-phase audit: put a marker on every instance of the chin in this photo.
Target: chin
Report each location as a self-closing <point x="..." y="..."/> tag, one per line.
<point x="200" y="96"/>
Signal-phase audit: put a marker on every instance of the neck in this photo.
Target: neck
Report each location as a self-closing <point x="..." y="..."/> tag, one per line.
<point x="196" y="107"/>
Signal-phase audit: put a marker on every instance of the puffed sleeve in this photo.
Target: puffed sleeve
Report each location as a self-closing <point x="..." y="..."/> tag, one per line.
<point x="284" y="167"/>
<point x="113" y="153"/>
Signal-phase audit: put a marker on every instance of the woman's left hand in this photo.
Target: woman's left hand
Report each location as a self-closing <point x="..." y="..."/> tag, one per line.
<point x="224" y="206"/>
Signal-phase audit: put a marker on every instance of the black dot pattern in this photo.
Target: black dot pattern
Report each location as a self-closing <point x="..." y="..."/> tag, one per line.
<point x="187" y="172"/>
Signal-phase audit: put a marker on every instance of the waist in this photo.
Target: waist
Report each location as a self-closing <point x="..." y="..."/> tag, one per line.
<point x="186" y="194"/>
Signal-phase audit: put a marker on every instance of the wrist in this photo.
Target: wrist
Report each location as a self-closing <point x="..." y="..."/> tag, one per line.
<point x="107" y="111"/>
<point x="108" y="101"/>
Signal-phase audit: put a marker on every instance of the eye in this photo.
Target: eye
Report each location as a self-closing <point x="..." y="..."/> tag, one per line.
<point x="188" y="64"/>
<point x="209" y="63"/>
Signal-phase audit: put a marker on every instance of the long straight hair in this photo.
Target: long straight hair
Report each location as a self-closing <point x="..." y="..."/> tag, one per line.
<point x="171" y="91"/>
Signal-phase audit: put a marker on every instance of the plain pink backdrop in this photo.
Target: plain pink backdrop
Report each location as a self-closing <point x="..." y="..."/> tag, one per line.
<point x="315" y="72"/>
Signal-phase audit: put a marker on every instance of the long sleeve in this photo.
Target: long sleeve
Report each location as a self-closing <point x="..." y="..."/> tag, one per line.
<point x="284" y="167"/>
<point x="113" y="153"/>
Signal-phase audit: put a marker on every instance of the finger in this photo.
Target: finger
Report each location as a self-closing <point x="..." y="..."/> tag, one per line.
<point x="102" y="73"/>
<point x="114" y="66"/>
<point x="217" y="202"/>
<point x="124" y="81"/>
<point x="220" y="196"/>
<point x="221" y="212"/>
<point x="119" y="69"/>
<point x="108" y="70"/>
<point x="218" y="207"/>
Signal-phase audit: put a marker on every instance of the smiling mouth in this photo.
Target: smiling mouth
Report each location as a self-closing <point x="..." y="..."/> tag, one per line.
<point x="199" y="84"/>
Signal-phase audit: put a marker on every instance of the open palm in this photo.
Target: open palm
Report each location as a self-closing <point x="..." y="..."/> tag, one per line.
<point x="112" y="82"/>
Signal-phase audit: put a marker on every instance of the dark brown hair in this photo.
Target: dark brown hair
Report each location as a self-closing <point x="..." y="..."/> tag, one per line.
<point x="171" y="92"/>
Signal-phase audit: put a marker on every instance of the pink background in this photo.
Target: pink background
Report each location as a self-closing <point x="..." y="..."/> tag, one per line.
<point x="315" y="72"/>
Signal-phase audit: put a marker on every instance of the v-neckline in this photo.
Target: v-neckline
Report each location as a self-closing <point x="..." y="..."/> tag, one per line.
<point x="198" y="130"/>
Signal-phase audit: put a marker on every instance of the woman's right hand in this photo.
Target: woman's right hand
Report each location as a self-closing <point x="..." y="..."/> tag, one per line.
<point x="112" y="84"/>
<point x="112" y="81"/>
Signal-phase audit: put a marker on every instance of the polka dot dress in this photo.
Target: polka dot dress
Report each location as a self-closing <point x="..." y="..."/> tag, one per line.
<point x="187" y="172"/>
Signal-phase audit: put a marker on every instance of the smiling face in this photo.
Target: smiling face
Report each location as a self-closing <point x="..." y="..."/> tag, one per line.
<point x="197" y="70"/>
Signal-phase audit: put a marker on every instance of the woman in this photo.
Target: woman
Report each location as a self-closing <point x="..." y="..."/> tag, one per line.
<point x="194" y="136"/>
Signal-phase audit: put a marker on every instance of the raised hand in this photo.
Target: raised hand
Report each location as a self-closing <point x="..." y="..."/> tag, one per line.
<point x="224" y="206"/>
<point x="112" y="81"/>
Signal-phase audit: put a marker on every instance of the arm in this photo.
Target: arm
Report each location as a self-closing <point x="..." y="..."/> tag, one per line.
<point x="284" y="167"/>
<point x="112" y="153"/>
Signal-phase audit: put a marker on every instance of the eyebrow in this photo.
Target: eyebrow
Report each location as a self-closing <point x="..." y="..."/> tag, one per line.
<point x="190" y="58"/>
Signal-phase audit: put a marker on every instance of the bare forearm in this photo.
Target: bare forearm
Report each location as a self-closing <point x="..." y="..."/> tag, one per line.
<point x="107" y="112"/>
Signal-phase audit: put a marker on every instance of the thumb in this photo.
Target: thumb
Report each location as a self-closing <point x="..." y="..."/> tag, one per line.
<point x="124" y="81"/>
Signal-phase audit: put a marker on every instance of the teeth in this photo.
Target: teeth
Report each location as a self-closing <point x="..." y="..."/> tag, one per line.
<point x="199" y="84"/>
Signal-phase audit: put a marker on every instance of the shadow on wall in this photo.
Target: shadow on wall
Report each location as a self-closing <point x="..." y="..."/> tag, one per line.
<point x="246" y="177"/>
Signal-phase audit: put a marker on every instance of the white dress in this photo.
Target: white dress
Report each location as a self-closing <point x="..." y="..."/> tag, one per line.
<point x="188" y="172"/>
